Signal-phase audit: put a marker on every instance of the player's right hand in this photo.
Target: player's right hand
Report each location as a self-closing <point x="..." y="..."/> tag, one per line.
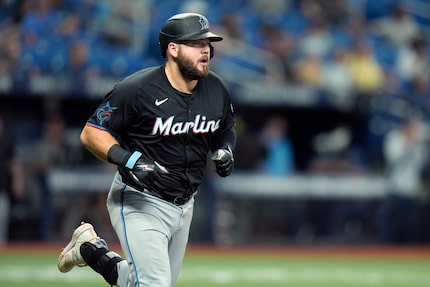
<point x="146" y="172"/>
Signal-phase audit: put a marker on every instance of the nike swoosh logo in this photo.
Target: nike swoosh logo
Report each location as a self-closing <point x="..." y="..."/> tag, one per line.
<point x="160" y="102"/>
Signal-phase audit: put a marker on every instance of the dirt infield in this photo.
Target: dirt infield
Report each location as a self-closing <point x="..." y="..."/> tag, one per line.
<point x="326" y="251"/>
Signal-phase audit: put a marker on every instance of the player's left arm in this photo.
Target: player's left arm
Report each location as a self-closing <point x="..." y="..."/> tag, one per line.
<point x="224" y="141"/>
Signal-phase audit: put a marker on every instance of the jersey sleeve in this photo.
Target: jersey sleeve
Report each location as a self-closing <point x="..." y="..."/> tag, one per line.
<point x="228" y="119"/>
<point x="115" y="111"/>
<point x="226" y="134"/>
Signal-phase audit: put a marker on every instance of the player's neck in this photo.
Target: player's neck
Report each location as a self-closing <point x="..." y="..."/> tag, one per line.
<point x="177" y="81"/>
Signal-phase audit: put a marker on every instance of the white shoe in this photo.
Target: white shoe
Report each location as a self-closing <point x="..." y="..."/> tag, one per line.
<point x="71" y="256"/>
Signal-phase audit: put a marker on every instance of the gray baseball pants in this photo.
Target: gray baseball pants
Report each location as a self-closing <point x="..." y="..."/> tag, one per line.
<point x="153" y="234"/>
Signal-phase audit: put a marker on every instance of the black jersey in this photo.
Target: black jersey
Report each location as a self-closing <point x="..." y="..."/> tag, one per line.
<point x="145" y="113"/>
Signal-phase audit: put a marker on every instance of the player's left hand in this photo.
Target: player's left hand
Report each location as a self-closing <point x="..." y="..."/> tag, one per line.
<point x="224" y="161"/>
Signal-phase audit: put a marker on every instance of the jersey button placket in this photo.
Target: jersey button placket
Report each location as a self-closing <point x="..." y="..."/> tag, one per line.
<point x="187" y="146"/>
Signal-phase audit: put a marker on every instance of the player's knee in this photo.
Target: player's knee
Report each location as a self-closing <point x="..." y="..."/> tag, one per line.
<point x="101" y="260"/>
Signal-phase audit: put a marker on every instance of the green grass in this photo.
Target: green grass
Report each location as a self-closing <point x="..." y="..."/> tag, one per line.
<point x="38" y="269"/>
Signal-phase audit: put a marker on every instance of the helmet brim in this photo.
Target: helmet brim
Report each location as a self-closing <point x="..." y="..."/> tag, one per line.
<point x="206" y="35"/>
<point x="211" y="36"/>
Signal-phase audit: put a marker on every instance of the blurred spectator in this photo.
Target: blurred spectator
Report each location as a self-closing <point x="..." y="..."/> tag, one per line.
<point x="48" y="152"/>
<point x="419" y="95"/>
<point x="117" y="29"/>
<point x="337" y="12"/>
<point x="317" y="39"/>
<point x="39" y="21"/>
<point x="398" y="27"/>
<point x="412" y="61"/>
<point x="69" y="28"/>
<point x="356" y="28"/>
<point x="38" y="26"/>
<point x="78" y="57"/>
<point x="406" y="155"/>
<point x="334" y="153"/>
<point x="78" y="69"/>
<point x="366" y="72"/>
<point x="14" y="70"/>
<point x="309" y="70"/>
<point x="233" y="56"/>
<point x="10" y="180"/>
<point x="278" y="157"/>
<point x="281" y="44"/>
<point x="311" y="10"/>
<point x="122" y="24"/>
<point x="337" y="79"/>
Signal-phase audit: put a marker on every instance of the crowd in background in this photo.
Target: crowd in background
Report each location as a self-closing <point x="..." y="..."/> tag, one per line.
<point x="337" y="46"/>
<point x="367" y="59"/>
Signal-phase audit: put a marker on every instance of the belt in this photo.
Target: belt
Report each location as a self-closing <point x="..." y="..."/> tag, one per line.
<point x="176" y="200"/>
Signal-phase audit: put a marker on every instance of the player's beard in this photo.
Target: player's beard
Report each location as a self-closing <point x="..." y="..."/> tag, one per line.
<point x="188" y="70"/>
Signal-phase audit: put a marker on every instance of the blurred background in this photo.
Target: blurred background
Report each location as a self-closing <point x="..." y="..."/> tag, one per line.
<point x="332" y="100"/>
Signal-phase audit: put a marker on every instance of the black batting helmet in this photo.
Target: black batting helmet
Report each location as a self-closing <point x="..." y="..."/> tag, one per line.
<point x="185" y="26"/>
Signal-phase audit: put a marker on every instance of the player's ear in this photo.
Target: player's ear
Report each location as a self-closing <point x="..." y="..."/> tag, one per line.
<point x="172" y="49"/>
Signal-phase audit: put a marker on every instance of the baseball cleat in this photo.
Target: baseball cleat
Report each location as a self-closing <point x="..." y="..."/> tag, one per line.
<point x="71" y="256"/>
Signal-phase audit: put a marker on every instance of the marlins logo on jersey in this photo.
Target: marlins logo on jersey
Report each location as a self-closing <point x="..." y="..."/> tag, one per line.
<point x="200" y="125"/>
<point x="104" y="113"/>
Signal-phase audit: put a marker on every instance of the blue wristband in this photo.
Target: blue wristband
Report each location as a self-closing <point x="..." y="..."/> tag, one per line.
<point x="132" y="159"/>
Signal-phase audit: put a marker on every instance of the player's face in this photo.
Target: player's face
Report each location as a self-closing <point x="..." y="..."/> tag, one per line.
<point x="193" y="59"/>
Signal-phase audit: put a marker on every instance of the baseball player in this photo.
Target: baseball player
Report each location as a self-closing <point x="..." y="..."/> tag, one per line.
<point x="158" y="126"/>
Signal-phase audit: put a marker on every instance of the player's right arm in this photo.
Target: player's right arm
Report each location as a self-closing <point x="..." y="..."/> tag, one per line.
<point x="105" y="147"/>
<point x="97" y="141"/>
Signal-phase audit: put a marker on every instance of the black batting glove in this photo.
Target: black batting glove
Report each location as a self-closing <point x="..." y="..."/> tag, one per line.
<point x="224" y="161"/>
<point x="146" y="172"/>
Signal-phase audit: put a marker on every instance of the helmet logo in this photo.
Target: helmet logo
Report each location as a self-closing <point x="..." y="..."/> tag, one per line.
<point x="204" y="23"/>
